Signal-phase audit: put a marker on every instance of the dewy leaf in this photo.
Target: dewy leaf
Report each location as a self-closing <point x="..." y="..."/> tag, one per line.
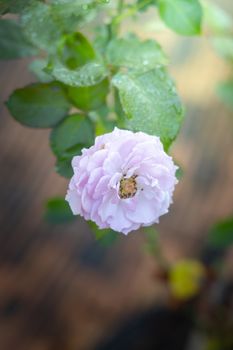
<point x="69" y="7"/>
<point x="74" y="13"/>
<point x="89" y="74"/>
<point x="40" y="27"/>
<point x="58" y="211"/>
<point x="225" y="92"/>
<point x="183" y="16"/>
<point x="75" y="51"/>
<point x="37" y="68"/>
<point x="101" y="39"/>
<point x="221" y="235"/>
<point x="151" y="102"/>
<point x="136" y="54"/>
<point x="12" y="41"/>
<point x="77" y="63"/>
<point x="89" y="98"/>
<point x="39" y="105"/>
<point x="69" y="137"/>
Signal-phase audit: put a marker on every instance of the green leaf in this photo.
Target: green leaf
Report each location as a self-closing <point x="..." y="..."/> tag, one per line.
<point x="225" y="92"/>
<point x="57" y="211"/>
<point x="221" y="235"/>
<point x="183" y="16"/>
<point x="135" y="54"/>
<point x="121" y="117"/>
<point x="219" y="21"/>
<point x="179" y="173"/>
<point x="63" y="167"/>
<point x="4" y="7"/>
<point x="75" y="51"/>
<point x="103" y="119"/>
<point x="71" y="14"/>
<point x="90" y="74"/>
<point x="89" y="98"/>
<point x="40" y="26"/>
<point x="38" y="105"/>
<point x="71" y="136"/>
<point x="224" y="47"/>
<point x="13" y="6"/>
<point x="104" y="236"/>
<point x="102" y="37"/>
<point x="78" y="64"/>
<point x="37" y="68"/>
<point x="69" y="6"/>
<point x="12" y="41"/>
<point x="151" y="102"/>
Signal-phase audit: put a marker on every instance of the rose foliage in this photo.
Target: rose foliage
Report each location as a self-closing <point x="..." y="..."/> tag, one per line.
<point x="92" y="76"/>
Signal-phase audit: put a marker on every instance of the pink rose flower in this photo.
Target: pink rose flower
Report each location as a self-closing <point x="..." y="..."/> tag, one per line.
<point x="124" y="181"/>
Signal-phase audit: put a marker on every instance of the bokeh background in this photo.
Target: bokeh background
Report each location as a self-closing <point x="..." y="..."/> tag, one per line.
<point x="59" y="288"/>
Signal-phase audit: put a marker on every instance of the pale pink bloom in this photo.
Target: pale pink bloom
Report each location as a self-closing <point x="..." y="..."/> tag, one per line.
<point x="124" y="181"/>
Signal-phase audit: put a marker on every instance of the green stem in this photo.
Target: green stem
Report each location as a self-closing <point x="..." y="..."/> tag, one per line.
<point x="114" y="24"/>
<point x="132" y="10"/>
<point x="120" y="6"/>
<point x="154" y="246"/>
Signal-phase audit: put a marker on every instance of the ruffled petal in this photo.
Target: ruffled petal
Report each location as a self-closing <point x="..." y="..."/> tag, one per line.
<point x="74" y="201"/>
<point x="97" y="193"/>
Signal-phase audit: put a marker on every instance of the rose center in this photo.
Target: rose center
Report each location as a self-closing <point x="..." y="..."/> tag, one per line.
<point x="128" y="187"/>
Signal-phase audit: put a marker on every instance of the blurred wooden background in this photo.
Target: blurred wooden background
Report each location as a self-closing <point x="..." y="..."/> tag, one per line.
<point x="58" y="288"/>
